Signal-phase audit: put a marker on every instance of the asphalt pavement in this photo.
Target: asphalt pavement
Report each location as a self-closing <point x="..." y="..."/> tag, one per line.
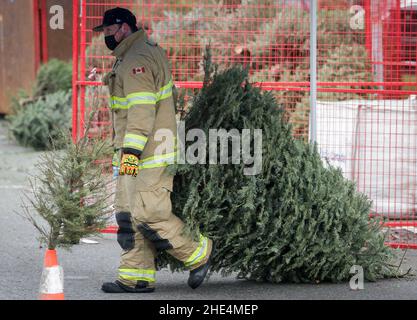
<point x="86" y="266"/>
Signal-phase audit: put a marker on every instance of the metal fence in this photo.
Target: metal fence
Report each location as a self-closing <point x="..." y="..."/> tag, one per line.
<point x="365" y="88"/>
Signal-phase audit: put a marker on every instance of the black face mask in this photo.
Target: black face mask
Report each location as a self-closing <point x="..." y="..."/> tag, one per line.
<point x="111" y="42"/>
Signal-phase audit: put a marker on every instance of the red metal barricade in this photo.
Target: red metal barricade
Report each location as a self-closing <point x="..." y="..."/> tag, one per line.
<point x="366" y="107"/>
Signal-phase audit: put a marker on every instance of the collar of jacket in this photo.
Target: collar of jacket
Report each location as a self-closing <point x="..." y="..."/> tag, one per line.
<point x="128" y="42"/>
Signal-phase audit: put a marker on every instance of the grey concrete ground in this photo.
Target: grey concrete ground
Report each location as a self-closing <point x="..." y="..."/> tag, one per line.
<point x="87" y="266"/>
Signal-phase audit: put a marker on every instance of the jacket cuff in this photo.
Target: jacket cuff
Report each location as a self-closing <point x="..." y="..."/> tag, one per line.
<point x="135" y="152"/>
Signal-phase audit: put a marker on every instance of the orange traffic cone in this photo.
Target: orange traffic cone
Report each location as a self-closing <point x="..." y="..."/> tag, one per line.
<point x="52" y="282"/>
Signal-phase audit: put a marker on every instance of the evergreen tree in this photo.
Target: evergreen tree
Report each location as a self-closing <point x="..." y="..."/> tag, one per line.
<point x="298" y="220"/>
<point x="70" y="192"/>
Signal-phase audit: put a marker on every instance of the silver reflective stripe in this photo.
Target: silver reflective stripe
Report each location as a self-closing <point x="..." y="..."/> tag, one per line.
<point x="123" y="103"/>
<point x="136" y="141"/>
<point x="142" y="275"/>
<point x="166" y="91"/>
<point x="144" y="98"/>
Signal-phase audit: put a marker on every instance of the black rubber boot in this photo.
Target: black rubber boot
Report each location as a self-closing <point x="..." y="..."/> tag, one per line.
<point x="118" y="287"/>
<point x="197" y="276"/>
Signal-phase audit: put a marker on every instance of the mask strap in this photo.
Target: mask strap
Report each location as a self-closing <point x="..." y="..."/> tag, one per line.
<point x="117" y="30"/>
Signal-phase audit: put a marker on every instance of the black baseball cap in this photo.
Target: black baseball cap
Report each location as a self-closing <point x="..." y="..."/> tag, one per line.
<point x="117" y="16"/>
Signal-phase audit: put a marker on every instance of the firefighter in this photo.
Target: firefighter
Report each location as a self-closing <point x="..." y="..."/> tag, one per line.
<point x="144" y="132"/>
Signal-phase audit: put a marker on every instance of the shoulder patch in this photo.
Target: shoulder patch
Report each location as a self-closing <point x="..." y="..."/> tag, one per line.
<point x="151" y="43"/>
<point x="138" y="70"/>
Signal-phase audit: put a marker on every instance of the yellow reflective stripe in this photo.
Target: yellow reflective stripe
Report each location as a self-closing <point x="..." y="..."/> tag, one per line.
<point x="118" y="99"/>
<point x="153" y="165"/>
<point x="118" y="102"/>
<point x="167" y="86"/>
<point x="151" y="95"/>
<point x="158" y="161"/>
<point x="163" y="156"/>
<point x="199" y="254"/>
<point x="135" y="141"/>
<point x="145" y="271"/>
<point x="118" y="106"/>
<point x="141" y="98"/>
<point x="133" y="99"/>
<point x="134" y="278"/>
<point x="137" y="274"/>
<point x="165" y="96"/>
<point x="165" y="91"/>
<point x="137" y="137"/>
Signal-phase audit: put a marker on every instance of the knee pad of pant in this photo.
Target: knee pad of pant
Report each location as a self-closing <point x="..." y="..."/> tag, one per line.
<point x="126" y="233"/>
<point x="150" y="234"/>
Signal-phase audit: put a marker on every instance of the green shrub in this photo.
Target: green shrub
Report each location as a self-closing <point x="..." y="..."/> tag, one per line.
<point x="56" y="75"/>
<point x="18" y="101"/>
<point x="38" y="123"/>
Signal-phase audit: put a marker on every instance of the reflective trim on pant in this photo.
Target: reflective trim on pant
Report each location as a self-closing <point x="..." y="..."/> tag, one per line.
<point x="199" y="254"/>
<point x="137" y="274"/>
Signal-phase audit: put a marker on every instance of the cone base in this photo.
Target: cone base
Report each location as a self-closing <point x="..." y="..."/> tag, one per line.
<point x="57" y="296"/>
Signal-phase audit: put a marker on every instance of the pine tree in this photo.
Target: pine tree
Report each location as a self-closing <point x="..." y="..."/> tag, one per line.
<point x="298" y="220"/>
<point x="70" y="192"/>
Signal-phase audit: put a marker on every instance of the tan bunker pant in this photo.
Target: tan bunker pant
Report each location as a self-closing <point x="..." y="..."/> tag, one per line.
<point x="146" y="226"/>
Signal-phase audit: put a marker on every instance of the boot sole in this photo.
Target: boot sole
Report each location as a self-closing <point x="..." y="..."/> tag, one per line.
<point x="125" y="289"/>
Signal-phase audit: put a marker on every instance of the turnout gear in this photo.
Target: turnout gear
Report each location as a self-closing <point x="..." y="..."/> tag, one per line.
<point x="144" y="126"/>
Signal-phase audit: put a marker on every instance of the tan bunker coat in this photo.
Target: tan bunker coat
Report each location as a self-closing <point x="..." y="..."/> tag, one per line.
<point x="144" y="124"/>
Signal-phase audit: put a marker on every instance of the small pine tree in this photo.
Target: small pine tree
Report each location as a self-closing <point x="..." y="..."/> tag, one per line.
<point x="297" y="221"/>
<point x="70" y="192"/>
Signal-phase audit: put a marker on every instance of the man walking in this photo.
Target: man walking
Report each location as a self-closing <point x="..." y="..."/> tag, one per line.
<point x="142" y="104"/>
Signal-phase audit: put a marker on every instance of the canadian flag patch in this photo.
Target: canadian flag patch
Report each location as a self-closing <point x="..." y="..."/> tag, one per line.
<point x="138" y="70"/>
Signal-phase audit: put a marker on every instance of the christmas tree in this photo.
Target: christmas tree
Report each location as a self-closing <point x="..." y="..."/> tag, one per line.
<point x="70" y="192"/>
<point x="298" y="220"/>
